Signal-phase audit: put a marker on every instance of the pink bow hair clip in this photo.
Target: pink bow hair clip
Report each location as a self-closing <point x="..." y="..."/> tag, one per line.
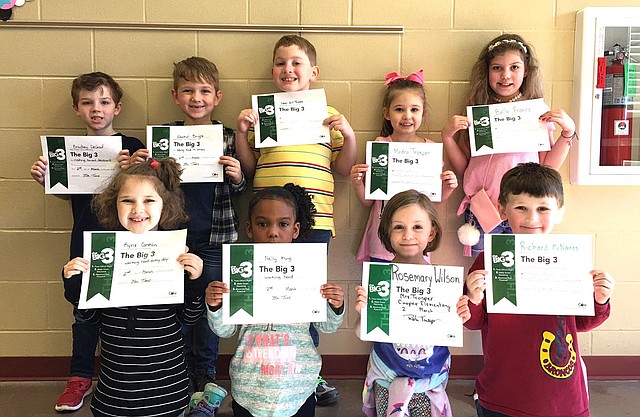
<point x="416" y="77"/>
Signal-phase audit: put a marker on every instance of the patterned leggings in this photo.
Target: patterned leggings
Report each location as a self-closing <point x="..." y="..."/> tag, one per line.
<point x="419" y="405"/>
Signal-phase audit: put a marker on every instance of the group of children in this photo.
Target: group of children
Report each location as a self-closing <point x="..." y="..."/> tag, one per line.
<point x="154" y="357"/>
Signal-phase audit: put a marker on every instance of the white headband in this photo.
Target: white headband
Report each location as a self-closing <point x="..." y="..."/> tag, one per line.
<point x="498" y="43"/>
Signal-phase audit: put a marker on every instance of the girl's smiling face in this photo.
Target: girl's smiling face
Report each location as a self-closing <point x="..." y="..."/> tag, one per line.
<point x="411" y="232"/>
<point x="139" y="205"/>
<point x="506" y="74"/>
<point x="405" y="114"/>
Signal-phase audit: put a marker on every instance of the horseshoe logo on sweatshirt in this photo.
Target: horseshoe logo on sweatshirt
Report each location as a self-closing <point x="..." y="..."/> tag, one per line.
<point x="552" y="369"/>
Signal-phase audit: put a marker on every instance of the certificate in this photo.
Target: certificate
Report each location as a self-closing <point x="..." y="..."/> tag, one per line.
<point x="196" y="148"/>
<point x="400" y="166"/>
<point x="290" y="118"/>
<point x="508" y="127"/>
<point x="409" y="303"/>
<point x="79" y="164"/>
<point x="128" y="269"/>
<point x="274" y="283"/>
<point x="539" y="274"/>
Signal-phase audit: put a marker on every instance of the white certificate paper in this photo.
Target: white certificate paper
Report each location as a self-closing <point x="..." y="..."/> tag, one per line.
<point x="128" y="269"/>
<point x="539" y="274"/>
<point x="409" y="303"/>
<point x="508" y="127"/>
<point x="398" y="166"/>
<point x="274" y="283"/>
<point x="196" y="148"/>
<point x="290" y="118"/>
<point x="79" y="164"/>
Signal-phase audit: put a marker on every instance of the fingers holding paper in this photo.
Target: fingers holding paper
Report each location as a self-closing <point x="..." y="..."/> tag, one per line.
<point x="213" y="293"/>
<point x="462" y="308"/>
<point x="361" y="298"/>
<point x="75" y="266"/>
<point x="192" y="264"/>
<point x="334" y="295"/>
<point x="476" y="285"/>
<point x="232" y="168"/>
<point x="603" y="284"/>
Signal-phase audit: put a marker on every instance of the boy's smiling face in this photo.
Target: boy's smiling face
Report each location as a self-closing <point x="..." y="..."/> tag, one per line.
<point x="97" y="109"/>
<point x="292" y="70"/>
<point x="196" y="99"/>
<point x="530" y="215"/>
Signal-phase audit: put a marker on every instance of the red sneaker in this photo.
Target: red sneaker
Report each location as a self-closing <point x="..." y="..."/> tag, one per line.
<point x="71" y="399"/>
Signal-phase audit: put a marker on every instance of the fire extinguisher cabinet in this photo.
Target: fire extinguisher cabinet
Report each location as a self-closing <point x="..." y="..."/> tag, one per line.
<point x="606" y="97"/>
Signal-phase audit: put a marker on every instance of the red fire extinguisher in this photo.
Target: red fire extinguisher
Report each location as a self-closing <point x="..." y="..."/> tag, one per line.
<point x="615" y="133"/>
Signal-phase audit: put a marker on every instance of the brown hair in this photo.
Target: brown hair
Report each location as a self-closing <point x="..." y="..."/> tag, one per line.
<point x="479" y="89"/>
<point x="164" y="175"/>
<point x="91" y="82"/>
<point x="393" y="91"/>
<point x="196" y="69"/>
<point x="533" y="179"/>
<point x="403" y="199"/>
<point x="306" y="47"/>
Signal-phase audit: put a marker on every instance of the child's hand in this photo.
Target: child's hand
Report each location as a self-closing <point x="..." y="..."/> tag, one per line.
<point x="38" y="169"/>
<point x="562" y="119"/>
<point x="357" y="173"/>
<point x="213" y="293"/>
<point x="449" y="179"/>
<point x="138" y="157"/>
<point x="192" y="264"/>
<point x="247" y="119"/>
<point x="455" y="124"/>
<point x="603" y="285"/>
<point x="75" y="266"/>
<point x="361" y="298"/>
<point x="476" y="285"/>
<point x="339" y="122"/>
<point x="334" y="295"/>
<point x="462" y="308"/>
<point x="232" y="168"/>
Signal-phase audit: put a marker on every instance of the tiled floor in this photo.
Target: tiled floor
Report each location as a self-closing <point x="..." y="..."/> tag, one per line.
<point x="36" y="399"/>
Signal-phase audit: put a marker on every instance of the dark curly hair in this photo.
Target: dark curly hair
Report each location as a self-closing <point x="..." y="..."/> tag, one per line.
<point x="403" y="199"/>
<point x="296" y="197"/>
<point x="164" y="175"/>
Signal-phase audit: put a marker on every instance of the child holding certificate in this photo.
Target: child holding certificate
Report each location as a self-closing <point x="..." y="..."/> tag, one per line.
<point x="310" y="166"/>
<point x="506" y="70"/>
<point x="409" y="380"/>
<point x="532" y="364"/>
<point x="212" y="216"/>
<point x="143" y="371"/>
<point x="96" y="99"/>
<point x="403" y="109"/>
<point x="275" y="368"/>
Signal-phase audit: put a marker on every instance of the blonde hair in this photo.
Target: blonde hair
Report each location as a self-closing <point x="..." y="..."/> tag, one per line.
<point x="196" y="69"/>
<point x="306" y="47"/>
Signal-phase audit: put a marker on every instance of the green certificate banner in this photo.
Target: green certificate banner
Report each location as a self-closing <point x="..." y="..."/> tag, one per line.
<point x="409" y="303"/>
<point x="508" y="127"/>
<point x="128" y="269"/>
<point x="539" y="274"/>
<point x="290" y="118"/>
<point x="274" y="283"/>
<point x="79" y="164"/>
<point x="398" y="166"/>
<point x="196" y="148"/>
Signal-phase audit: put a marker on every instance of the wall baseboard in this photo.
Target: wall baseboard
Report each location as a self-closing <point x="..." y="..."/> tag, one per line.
<point x="27" y="368"/>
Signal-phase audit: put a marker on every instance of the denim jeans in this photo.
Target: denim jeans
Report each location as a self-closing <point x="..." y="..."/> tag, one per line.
<point x="200" y="342"/>
<point x="85" y="337"/>
<point x="503" y="228"/>
<point x="316" y="236"/>
<point x="308" y="409"/>
<point x="483" y="412"/>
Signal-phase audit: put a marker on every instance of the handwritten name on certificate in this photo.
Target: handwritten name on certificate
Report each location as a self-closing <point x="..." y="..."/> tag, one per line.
<point x="128" y="269"/>
<point x="79" y="164"/>
<point x="508" y="127"/>
<point x="196" y="148"/>
<point x="290" y="118"/>
<point x="539" y="274"/>
<point x="409" y="303"/>
<point x="398" y="166"/>
<point x="274" y="283"/>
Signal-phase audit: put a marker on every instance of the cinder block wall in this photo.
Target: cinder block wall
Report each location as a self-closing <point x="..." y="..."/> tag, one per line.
<point x="443" y="37"/>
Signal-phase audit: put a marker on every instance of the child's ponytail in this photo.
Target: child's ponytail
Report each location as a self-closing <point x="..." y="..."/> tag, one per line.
<point x="305" y="209"/>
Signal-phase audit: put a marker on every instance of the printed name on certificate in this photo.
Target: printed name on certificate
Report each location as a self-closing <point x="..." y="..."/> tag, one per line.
<point x="79" y="164"/>
<point x="539" y="274"/>
<point x="196" y="148"/>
